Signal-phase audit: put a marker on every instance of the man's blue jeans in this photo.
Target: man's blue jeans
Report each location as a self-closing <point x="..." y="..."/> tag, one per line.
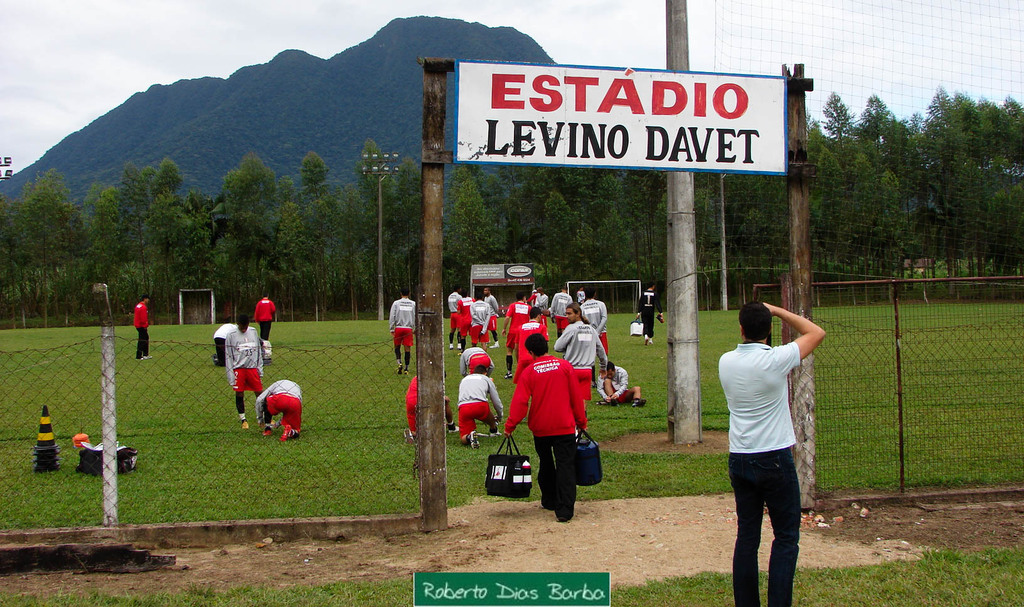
<point x="759" y="480"/>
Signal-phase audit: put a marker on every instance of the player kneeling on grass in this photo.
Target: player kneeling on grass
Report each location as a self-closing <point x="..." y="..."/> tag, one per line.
<point x="475" y="391"/>
<point x="615" y="387"/>
<point x="283" y="397"/>
<point x="411" y="396"/>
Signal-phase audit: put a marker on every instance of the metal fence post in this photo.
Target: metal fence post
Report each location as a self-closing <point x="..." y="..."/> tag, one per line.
<point x="899" y="379"/>
<point x="108" y="383"/>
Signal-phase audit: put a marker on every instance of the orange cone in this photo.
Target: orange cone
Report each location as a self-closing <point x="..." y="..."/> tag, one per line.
<point x="46" y="448"/>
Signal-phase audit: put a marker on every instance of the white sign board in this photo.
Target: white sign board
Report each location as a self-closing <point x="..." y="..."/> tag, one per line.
<point x="514" y="113"/>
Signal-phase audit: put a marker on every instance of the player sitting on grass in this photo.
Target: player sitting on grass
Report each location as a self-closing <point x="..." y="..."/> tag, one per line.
<point x="615" y="387"/>
<point x="285" y="397"/>
<point x="475" y="391"/>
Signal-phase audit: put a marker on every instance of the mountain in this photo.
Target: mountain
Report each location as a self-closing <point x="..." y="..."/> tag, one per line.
<point x="281" y="110"/>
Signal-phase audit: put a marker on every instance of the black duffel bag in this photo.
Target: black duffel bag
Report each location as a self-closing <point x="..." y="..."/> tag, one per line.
<point x="90" y="460"/>
<point x="588" y="460"/>
<point x="508" y="471"/>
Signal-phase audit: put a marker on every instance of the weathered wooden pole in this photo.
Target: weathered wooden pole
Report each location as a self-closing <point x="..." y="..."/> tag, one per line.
<point x="430" y="422"/>
<point x="684" y="408"/>
<point x="798" y="184"/>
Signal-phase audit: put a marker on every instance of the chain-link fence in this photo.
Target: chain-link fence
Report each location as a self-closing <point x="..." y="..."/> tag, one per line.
<point x="919" y="382"/>
<point x="195" y="461"/>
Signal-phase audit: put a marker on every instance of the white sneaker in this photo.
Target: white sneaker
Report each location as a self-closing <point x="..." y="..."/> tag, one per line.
<point x="496" y="345"/>
<point x="451" y="346"/>
<point x="473" y="442"/>
<point x="410" y="437"/>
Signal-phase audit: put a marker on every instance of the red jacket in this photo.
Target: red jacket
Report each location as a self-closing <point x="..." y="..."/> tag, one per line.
<point x="527" y="329"/>
<point x="264" y="310"/>
<point x="141" y="316"/>
<point x="555" y="403"/>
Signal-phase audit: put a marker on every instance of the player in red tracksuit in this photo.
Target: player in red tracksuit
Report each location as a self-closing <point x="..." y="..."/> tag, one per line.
<point x="548" y="396"/>
<point x="264" y="315"/>
<point x="142" y="326"/>
<point x="536" y="325"/>
<point x="464" y="308"/>
<point x="517" y="314"/>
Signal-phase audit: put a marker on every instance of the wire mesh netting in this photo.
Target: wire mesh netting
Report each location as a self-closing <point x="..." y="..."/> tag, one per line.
<point x="919" y="383"/>
<point x="195" y="461"/>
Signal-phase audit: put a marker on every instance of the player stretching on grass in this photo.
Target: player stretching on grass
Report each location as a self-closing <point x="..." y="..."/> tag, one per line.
<point x="411" y="396"/>
<point x="761" y="470"/>
<point x="615" y="387"/>
<point x="471" y="358"/>
<point x="282" y="397"/>
<point x="475" y="390"/>
<point x="243" y="361"/>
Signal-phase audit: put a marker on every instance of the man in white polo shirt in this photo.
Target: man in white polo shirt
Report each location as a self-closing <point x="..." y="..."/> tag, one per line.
<point x="761" y="437"/>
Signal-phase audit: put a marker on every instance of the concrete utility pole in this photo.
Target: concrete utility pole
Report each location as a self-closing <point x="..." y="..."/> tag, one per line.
<point x="380" y="165"/>
<point x="684" y="410"/>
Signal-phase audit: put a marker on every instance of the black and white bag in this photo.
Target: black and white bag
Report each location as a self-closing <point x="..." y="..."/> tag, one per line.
<point x="508" y="471"/>
<point x="90" y="459"/>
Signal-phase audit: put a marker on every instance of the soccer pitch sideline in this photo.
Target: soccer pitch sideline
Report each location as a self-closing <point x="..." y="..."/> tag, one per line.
<point x="195" y="463"/>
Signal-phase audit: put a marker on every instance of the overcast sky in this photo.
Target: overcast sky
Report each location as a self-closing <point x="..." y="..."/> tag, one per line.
<point x="64" y="63"/>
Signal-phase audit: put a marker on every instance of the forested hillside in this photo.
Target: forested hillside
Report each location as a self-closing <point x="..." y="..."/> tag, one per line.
<point x="934" y="195"/>
<point x="280" y="110"/>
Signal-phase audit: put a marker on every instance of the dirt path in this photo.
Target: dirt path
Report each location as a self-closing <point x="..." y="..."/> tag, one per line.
<point x="636" y="540"/>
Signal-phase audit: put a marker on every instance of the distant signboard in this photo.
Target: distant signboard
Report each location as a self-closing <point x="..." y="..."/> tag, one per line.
<point x="512" y="113"/>
<point x="495" y="274"/>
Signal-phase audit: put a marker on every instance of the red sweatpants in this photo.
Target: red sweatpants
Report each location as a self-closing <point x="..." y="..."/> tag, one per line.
<point x="289" y="406"/>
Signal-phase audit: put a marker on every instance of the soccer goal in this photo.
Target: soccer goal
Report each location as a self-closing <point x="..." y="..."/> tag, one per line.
<point x="196" y="307"/>
<point x="620" y="296"/>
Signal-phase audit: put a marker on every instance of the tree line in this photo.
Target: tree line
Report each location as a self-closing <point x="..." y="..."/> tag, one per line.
<point x="934" y="194"/>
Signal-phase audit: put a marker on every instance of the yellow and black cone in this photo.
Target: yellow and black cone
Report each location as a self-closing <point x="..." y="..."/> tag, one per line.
<point x="46" y="448"/>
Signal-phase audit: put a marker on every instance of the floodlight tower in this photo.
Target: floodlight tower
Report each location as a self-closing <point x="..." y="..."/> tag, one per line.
<point x="380" y="165"/>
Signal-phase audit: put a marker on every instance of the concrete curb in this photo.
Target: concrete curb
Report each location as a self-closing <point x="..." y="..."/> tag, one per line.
<point x="219" y="533"/>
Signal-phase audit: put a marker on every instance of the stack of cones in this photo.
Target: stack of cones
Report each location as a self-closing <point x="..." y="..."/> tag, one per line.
<point x="46" y="448"/>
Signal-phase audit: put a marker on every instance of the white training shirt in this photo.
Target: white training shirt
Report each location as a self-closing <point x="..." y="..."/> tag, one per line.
<point x="753" y="378"/>
<point x="222" y="332"/>
<point x="477" y="388"/>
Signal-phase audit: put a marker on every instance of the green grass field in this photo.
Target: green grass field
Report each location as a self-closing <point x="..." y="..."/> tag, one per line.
<point x="196" y="464"/>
